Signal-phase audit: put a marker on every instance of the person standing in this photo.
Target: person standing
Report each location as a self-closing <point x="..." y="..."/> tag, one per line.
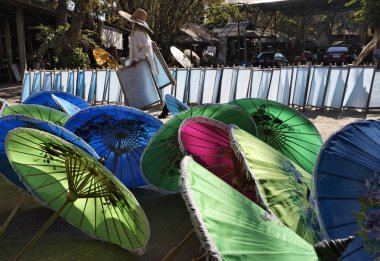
<point x="140" y="44"/>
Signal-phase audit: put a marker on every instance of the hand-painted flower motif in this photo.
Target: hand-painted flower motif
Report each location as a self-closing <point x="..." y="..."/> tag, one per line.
<point x="372" y="223"/>
<point x="289" y="168"/>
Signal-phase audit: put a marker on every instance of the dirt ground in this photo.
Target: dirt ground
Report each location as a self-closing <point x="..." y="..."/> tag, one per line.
<point x="168" y="217"/>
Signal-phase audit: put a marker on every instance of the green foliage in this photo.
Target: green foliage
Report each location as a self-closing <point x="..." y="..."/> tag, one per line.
<point x="49" y="38"/>
<point x="76" y="59"/>
<point x="219" y="14"/>
<point x="369" y="12"/>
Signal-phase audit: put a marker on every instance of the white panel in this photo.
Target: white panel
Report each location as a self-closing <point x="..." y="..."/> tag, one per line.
<point x="64" y="76"/>
<point x="300" y="86"/>
<point x="87" y="83"/>
<point x="210" y="85"/>
<point x="195" y="81"/>
<point x="225" y="88"/>
<point x="375" y="94"/>
<point x="100" y="85"/>
<point x="265" y="83"/>
<point x="255" y="83"/>
<point x="181" y="84"/>
<point x="317" y="86"/>
<point x="284" y="85"/>
<point x="242" y="83"/>
<point x="358" y="87"/>
<point x="274" y="85"/>
<point x="114" y="89"/>
<point x="335" y="87"/>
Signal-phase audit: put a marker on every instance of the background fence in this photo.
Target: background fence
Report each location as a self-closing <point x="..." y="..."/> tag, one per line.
<point x="302" y="86"/>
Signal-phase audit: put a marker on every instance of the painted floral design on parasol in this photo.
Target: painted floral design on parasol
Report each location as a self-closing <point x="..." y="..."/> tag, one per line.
<point x="78" y="187"/>
<point x="285" y="129"/>
<point x="162" y="156"/>
<point x="38" y="112"/>
<point x="119" y="135"/>
<point x="284" y="187"/>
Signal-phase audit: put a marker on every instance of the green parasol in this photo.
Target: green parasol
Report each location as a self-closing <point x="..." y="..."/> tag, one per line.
<point x="78" y="187"/>
<point x="282" y="184"/>
<point x="285" y="129"/>
<point x="160" y="161"/>
<point x="37" y="111"/>
<point x="232" y="227"/>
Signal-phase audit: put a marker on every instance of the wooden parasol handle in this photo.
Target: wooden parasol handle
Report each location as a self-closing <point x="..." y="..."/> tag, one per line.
<point x="174" y="251"/>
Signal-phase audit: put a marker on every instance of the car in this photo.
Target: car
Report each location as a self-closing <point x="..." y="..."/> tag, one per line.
<point x="270" y="59"/>
<point x="337" y="55"/>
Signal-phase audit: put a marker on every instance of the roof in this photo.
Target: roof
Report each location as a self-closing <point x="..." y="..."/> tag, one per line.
<point x="197" y="33"/>
<point x="298" y="7"/>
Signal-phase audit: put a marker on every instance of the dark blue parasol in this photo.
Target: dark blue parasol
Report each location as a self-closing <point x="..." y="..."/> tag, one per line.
<point x="119" y="134"/>
<point x="10" y="122"/>
<point x="175" y="106"/>
<point x="45" y="98"/>
<point x="347" y="184"/>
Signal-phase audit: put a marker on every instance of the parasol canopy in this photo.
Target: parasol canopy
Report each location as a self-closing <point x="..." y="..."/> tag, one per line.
<point x="38" y="112"/>
<point x="161" y="158"/>
<point x="208" y="142"/>
<point x="65" y="106"/>
<point x="180" y="57"/>
<point x="45" y="98"/>
<point x="347" y="184"/>
<point x="103" y="59"/>
<point x="174" y="105"/>
<point x="231" y="227"/>
<point x="118" y="134"/>
<point x="10" y="122"/>
<point x="285" y="129"/>
<point x="284" y="187"/>
<point x="78" y="187"/>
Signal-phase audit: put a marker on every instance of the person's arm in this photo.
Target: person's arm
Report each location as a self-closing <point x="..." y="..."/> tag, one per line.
<point x="144" y="45"/>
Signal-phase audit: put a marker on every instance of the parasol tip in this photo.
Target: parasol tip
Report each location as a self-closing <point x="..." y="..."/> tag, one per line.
<point x="329" y="250"/>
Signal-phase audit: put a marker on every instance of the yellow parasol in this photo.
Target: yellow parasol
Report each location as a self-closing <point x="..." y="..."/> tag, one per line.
<point x="104" y="59"/>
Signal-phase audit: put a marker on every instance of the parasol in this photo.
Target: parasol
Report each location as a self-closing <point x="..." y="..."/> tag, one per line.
<point x="38" y="112"/>
<point x="46" y="99"/>
<point x="191" y="55"/>
<point x="284" y="187"/>
<point x="180" y="57"/>
<point x="65" y="106"/>
<point x="285" y="129"/>
<point x="252" y="234"/>
<point x="208" y="142"/>
<point x="161" y="158"/>
<point x="103" y="59"/>
<point x="78" y="188"/>
<point x="119" y="134"/>
<point x="174" y="105"/>
<point x="347" y="187"/>
<point x="10" y="122"/>
<point x="3" y="104"/>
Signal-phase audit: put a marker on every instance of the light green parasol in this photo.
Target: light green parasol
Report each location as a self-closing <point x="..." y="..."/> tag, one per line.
<point x="285" y="129"/>
<point x="284" y="186"/>
<point x="232" y="227"/>
<point x="37" y="111"/>
<point x="78" y="187"/>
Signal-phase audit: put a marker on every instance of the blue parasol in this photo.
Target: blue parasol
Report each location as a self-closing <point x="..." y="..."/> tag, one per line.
<point x="65" y="106"/>
<point x="175" y="106"/>
<point x="119" y="134"/>
<point x="45" y="98"/>
<point x="10" y="122"/>
<point x="347" y="184"/>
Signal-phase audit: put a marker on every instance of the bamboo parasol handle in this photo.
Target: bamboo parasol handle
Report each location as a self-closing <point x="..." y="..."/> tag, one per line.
<point x="4" y="226"/>
<point x="174" y="251"/>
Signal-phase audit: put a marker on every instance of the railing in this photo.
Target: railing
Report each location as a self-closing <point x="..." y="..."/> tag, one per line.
<point x="301" y="86"/>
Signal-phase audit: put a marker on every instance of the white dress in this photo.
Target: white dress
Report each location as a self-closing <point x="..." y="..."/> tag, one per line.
<point x="140" y="45"/>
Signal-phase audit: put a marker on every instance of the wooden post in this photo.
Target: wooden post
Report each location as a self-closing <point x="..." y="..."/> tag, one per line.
<point x="21" y="38"/>
<point x="8" y="47"/>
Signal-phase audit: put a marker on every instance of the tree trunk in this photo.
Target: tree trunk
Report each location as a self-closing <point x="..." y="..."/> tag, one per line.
<point x="62" y="13"/>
